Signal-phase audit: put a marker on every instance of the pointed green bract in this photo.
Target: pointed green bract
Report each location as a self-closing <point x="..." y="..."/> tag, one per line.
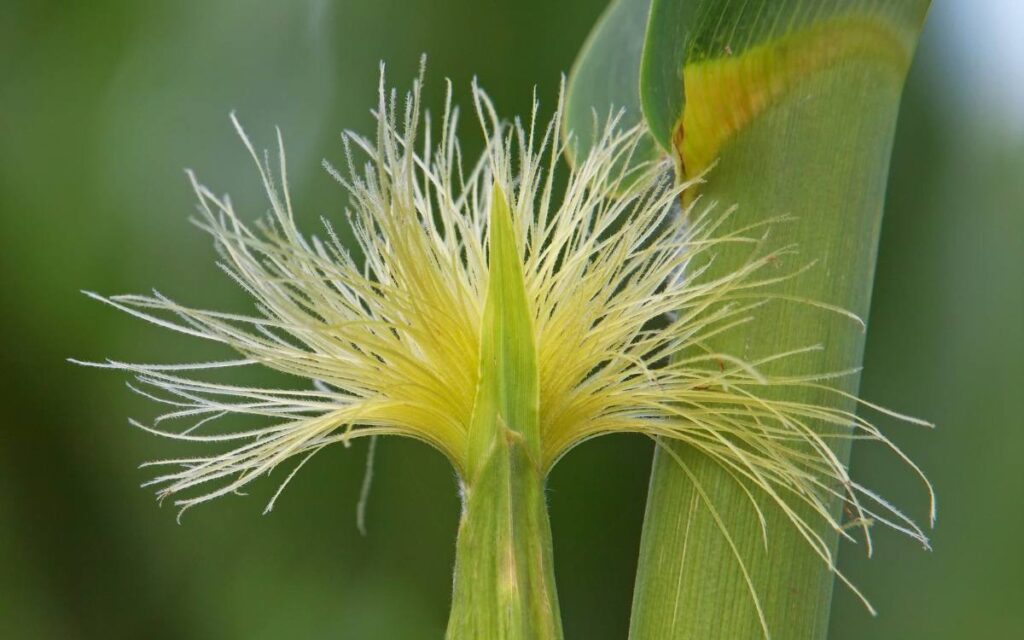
<point x="504" y="581"/>
<point x="507" y="394"/>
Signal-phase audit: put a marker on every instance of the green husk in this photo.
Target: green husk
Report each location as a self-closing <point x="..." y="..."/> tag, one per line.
<point x="504" y="578"/>
<point x="790" y="108"/>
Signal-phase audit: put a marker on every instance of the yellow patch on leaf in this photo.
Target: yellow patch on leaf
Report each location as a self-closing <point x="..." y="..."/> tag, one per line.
<point x="725" y="94"/>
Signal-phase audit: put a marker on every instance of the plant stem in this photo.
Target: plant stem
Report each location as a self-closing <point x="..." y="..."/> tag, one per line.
<point x="504" y="580"/>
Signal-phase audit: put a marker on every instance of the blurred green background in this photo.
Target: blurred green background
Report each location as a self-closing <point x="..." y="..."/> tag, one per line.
<point x="102" y="104"/>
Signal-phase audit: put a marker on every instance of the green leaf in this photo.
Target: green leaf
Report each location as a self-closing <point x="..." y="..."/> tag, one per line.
<point x="790" y="106"/>
<point x="661" y="67"/>
<point x="606" y="77"/>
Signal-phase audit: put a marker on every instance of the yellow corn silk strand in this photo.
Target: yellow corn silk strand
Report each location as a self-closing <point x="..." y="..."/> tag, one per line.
<point x="503" y="324"/>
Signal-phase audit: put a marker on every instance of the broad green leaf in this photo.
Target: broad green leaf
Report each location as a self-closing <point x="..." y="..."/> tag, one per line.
<point x="790" y="107"/>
